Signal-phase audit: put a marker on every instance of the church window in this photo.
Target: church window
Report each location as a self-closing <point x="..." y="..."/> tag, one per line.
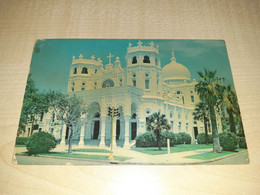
<point x="95" y="70"/>
<point x="84" y="70"/>
<point x="146" y="59"/>
<point x="179" y="126"/>
<point x="172" y="125"/>
<point x="83" y="83"/>
<point x="148" y="111"/>
<point x="75" y="71"/>
<point x="95" y="85"/>
<point x="178" y="92"/>
<point x="156" y="61"/>
<point x="195" y="122"/>
<point x="134" y="61"/>
<point x="73" y="83"/>
<point x="134" y="82"/>
<point x="147" y="82"/>
<point x="72" y="89"/>
<point x="83" y="88"/>
<point x="183" y="100"/>
<point x="108" y="83"/>
<point x="147" y="74"/>
<point x="187" y="126"/>
<point x="120" y="81"/>
<point x="201" y="128"/>
<point x="134" y="75"/>
<point x="191" y="91"/>
<point x="134" y="116"/>
<point x="192" y="98"/>
<point x="171" y="115"/>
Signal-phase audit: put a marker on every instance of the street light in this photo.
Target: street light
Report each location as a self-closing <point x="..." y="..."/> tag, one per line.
<point x="112" y="112"/>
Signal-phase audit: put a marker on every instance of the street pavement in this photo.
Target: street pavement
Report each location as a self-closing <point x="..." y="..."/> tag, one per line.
<point x="139" y="158"/>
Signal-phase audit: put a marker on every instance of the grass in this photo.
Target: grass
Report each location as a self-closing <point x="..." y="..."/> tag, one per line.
<point x="85" y="156"/>
<point x="211" y="155"/>
<point x="92" y="150"/>
<point x="20" y="146"/>
<point x="177" y="148"/>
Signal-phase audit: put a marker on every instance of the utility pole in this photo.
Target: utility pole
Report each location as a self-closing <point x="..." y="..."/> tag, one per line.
<point x="112" y="112"/>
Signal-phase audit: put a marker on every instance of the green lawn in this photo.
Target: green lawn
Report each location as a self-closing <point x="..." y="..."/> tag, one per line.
<point x="92" y="150"/>
<point x="177" y="148"/>
<point x="211" y="155"/>
<point x="20" y="146"/>
<point x="85" y="156"/>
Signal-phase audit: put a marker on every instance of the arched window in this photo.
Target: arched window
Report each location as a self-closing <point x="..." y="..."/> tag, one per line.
<point x="134" y="116"/>
<point x="134" y="61"/>
<point x="84" y="70"/>
<point x="108" y="83"/>
<point x="156" y="61"/>
<point x="75" y="71"/>
<point x="147" y="83"/>
<point x="134" y="82"/>
<point x="146" y="59"/>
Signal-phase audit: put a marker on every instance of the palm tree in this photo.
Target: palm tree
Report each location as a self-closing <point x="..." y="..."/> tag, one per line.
<point x="157" y="123"/>
<point x="210" y="90"/>
<point x="229" y="103"/>
<point x="201" y="113"/>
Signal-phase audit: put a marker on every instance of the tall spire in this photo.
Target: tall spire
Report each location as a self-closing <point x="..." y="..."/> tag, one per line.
<point x="173" y="56"/>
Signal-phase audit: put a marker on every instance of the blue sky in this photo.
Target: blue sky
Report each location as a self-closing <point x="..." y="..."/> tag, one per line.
<point x="52" y="58"/>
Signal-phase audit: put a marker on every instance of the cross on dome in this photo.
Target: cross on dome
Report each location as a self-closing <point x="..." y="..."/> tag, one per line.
<point x="81" y="56"/>
<point x="139" y="42"/>
<point x="109" y="57"/>
<point x="173" y="56"/>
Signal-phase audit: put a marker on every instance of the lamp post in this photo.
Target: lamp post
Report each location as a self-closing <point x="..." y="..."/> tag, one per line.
<point x="112" y="112"/>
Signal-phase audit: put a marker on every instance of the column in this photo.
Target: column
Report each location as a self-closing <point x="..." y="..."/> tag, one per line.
<point x="103" y="130"/>
<point x="82" y="135"/>
<point x="88" y="130"/>
<point x="114" y="131"/>
<point x="127" y="144"/>
<point x="63" y="136"/>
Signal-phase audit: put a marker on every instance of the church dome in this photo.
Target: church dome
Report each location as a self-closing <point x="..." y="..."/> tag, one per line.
<point x="175" y="71"/>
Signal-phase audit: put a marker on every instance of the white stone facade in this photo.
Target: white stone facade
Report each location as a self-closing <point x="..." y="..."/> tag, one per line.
<point x="138" y="90"/>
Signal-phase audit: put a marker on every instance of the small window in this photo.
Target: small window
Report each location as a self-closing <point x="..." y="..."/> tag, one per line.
<point x="179" y="126"/>
<point x="178" y="92"/>
<point x="73" y="83"/>
<point x="171" y="115"/>
<point x="134" y="61"/>
<point x="183" y="100"/>
<point x="95" y="70"/>
<point x="72" y="89"/>
<point x="147" y="82"/>
<point x="83" y="89"/>
<point x="134" y="83"/>
<point x="134" y="116"/>
<point x="53" y="117"/>
<point x="192" y="98"/>
<point x="195" y="122"/>
<point x="146" y="59"/>
<point x="120" y="81"/>
<point x="147" y="74"/>
<point x="83" y="83"/>
<point x="75" y="71"/>
<point x="187" y="126"/>
<point x="134" y="75"/>
<point x="148" y="111"/>
<point x="156" y="61"/>
<point x="42" y="113"/>
<point x="179" y="115"/>
<point x="84" y="70"/>
<point x="40" y="129"/>
<point x="172" y="125"/>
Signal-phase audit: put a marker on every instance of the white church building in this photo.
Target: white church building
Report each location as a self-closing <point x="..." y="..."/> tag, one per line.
<point x="143" y="87"/>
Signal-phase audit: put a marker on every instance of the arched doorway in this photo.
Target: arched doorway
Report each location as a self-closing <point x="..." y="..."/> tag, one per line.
<point x="133" y="121"/>
<point x="93" y="111"/>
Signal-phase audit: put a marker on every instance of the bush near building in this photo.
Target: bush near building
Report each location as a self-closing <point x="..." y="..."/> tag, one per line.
<point x="148" y="139"/>
<point x="228" y="140"/>
<point x="201" y="138"/>
<point x="183" y="137"/>
<point x="21" y="140"/>
<point x="242" y="142"/>
<point x="41" y="142"/>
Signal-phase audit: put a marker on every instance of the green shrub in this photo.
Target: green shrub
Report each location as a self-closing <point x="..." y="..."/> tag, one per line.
<point x="201" y="138"/>
<point x="183" y="137"/>
<point x="168" y="135"/>
<point x="21" y="140"/>
<point x="228" y="140"/>
<point x="242" y="142"/>
<point x="41" y="142"/>
<point x="146" y="140"/>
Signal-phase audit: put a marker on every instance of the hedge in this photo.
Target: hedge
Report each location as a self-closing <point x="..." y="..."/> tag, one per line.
<point x="21" y="140"/>
<point x="201" y="138"/>
<point x="228" y="140"/>
<point x="183" y="137"/>
<point x="146" y="140"/>
<point x="41" y="142"/>
<point x="242" y="142"/>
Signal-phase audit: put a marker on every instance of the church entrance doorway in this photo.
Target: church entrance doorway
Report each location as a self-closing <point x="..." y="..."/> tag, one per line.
<point x="133" y="130"/>
<point x="117" y="129"/>
<point x="96" y="130"/>
<point x="195" y="132"/>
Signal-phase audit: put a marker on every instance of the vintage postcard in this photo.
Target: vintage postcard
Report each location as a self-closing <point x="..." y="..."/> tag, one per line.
<point x="104" y="101"/>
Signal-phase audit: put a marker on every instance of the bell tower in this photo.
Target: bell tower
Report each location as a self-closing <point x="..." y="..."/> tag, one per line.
<point x="143" y="67"/>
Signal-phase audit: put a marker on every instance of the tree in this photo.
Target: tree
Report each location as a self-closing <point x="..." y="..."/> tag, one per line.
<point x="69" y="109"/>
<point x="210" y="89"/>
<point x="228" y="103"/>
<point x="34" y="105"/>
<point x="157" y="123"/>
<point x="201" y="113"/>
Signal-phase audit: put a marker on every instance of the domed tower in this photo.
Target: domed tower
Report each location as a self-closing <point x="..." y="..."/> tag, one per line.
<point x="143" y="67"/>
<point x="175" y="73"/>
<point x="80" y="72"/>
